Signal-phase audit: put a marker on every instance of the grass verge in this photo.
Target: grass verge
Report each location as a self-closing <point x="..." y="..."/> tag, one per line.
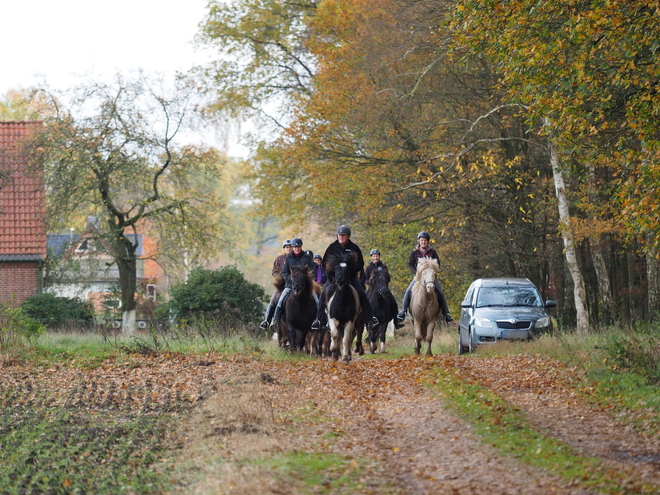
<point x="506" y="428"/>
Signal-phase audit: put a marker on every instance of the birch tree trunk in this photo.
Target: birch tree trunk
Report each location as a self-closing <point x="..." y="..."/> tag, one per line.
<point x="579" y="291"/>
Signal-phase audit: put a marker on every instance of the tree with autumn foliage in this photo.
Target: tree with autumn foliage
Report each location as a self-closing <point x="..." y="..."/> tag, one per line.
<point x="590" y="71"/>
<point x="485" y="123"/>
<point x="116" y="154"/>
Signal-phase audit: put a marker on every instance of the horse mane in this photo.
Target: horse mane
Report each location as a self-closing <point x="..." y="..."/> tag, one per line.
<point x="350" y="259"/>
<point x="425" y="263"/>
<point x="308" y="273"/>
<point x="378" y="273"/>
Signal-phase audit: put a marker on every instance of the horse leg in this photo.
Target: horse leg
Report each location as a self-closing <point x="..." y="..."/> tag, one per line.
<point x="359" y="330"/>
<point x="418" y="338"/>
<point x="347" y="341"/>
<point x="383" y="331"/>
<point x="334" y="341"/>
<point x="429" y="337"/>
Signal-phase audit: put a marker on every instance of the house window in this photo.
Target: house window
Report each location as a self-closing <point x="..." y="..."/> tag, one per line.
<point x="83" y="248"/>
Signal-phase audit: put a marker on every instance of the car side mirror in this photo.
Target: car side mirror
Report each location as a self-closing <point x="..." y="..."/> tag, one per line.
<point x="466" y="304"/>
<point x="550" y="304"/>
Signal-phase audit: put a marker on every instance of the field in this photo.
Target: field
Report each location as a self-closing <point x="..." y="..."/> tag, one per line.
<point x="562" y="414"/>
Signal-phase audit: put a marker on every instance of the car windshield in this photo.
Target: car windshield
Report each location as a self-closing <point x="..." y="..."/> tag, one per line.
<point x="508" y="296"/>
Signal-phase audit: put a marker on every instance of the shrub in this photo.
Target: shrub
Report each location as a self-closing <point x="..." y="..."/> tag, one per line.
<point x="14" y="324"/>
<point x="55" y="312"/>
<point x="639" y="353"/>
<point x="223" y="293"/>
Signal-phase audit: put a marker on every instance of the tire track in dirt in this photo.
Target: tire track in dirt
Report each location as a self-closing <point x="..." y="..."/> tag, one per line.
<point x="385" y="415"/>
<point x="539" y="387"/>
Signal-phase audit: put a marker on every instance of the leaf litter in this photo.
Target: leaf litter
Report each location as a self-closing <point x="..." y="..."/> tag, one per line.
<point x="236" y="412"/>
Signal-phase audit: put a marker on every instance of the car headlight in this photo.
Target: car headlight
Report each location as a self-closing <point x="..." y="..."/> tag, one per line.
<point x="483" y="323"/>
<point x="542" y="322"/>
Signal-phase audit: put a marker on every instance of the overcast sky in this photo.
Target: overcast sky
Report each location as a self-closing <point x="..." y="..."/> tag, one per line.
<point x="60" y="41"/>
<point x="66" y="42"/>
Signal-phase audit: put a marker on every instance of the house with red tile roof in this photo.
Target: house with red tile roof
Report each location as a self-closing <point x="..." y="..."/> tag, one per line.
<point x="22" y="217"/>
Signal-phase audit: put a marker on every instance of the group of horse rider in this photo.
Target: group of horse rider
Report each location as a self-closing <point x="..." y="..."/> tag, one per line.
<point x="294" y="256"/>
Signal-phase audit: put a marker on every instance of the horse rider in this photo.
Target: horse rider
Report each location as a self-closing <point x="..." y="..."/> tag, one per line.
<point x="298" y="258"/>
<point x="277" y="270"/>
<point x="344" y="245"/>
<point x="319" y="272"/>
<point x="423" y="250"/>
<point x="376" y="264"/>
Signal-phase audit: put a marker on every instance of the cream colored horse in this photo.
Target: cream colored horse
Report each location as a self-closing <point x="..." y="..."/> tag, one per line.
<point x="424" y="306"/>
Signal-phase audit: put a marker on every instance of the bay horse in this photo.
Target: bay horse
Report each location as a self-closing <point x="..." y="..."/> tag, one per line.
<point x="424" y="305"/>
<point x="342" y="304"/>
<point x="383" y="305"/>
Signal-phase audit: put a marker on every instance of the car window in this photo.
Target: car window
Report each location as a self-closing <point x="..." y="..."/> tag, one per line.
<point x="508" y="296"/>
<point x="468" y="296"/>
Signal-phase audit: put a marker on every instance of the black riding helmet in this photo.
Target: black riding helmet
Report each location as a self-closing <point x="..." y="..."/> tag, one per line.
<point x="344" y="230"/>
<point x="424" y="234"/>
<point x="296" y="242"/>
<point x="374" y="251"/>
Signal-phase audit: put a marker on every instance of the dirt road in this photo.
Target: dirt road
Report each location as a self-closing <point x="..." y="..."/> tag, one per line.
<point x="379" y="410"/>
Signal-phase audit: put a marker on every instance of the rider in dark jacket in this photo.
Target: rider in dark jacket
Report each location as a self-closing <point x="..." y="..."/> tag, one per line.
<point x="423" y="250"/>
<point x="376" y="264"/>
<point x="299" y="258"/>
<point x="341" y="246"/>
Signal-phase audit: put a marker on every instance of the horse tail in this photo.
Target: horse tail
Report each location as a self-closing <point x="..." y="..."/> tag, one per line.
<point x="279" y="282"/>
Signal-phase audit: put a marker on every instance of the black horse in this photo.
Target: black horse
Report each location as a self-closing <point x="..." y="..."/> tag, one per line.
<point x="342" y="303"/>
<point x="384" y="307"/>
<point x="298" y="311"/>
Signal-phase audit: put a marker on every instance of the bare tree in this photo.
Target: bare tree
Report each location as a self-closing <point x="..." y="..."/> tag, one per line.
<point x="115" y="154"/>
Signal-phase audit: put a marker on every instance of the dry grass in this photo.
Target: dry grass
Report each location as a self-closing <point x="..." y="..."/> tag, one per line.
<point x="225" y="439"/>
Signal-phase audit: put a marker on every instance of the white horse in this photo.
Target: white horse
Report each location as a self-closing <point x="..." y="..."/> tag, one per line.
<point x="424" y="306"/>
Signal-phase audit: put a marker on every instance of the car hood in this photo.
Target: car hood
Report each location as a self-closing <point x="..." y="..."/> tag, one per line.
<point x="507" y="313"/>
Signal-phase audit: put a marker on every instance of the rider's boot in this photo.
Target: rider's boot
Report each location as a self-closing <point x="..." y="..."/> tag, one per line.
<point x="269" y="316"/>
<point x="404" y="305"/>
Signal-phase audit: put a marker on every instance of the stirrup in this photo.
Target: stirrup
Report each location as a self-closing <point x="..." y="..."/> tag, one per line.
<point x="448" y="318"/>
<point x="402" y="315"/>
<point x="264" y="325"/>
<point x="316" y="325"/>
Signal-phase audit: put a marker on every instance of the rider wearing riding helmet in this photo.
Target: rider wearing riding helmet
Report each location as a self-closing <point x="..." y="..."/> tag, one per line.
<point x="319" y="272"/>
<point x="276" y="271"/>
<point x="341" y="246"/>
<point x="377" y="265"/>
<point x="423" y="250"/>
<point x="298" y="258"/>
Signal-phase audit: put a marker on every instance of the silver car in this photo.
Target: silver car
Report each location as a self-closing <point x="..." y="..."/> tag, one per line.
<point x="501" y="308"/>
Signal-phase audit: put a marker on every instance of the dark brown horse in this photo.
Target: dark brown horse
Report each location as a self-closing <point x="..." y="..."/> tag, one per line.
<point x="383" y="305"/>
<point x="299" y="310"/>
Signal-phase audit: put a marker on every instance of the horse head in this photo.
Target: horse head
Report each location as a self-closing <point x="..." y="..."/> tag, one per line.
<point x="379" y="280"/>
<point x="301" y="280"/>
<point x="342" y="268"/>
<point x="426" y="270"/>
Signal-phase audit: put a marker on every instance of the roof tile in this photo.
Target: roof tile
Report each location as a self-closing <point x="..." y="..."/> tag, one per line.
<point x="22" y="199"/>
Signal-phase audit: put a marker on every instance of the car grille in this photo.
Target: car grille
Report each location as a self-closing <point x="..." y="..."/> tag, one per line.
<point x="514" y="324"/>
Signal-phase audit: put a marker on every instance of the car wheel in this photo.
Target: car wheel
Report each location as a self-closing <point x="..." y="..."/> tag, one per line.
<point x="461" y="348"/>
<point x="470" y="347"/>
